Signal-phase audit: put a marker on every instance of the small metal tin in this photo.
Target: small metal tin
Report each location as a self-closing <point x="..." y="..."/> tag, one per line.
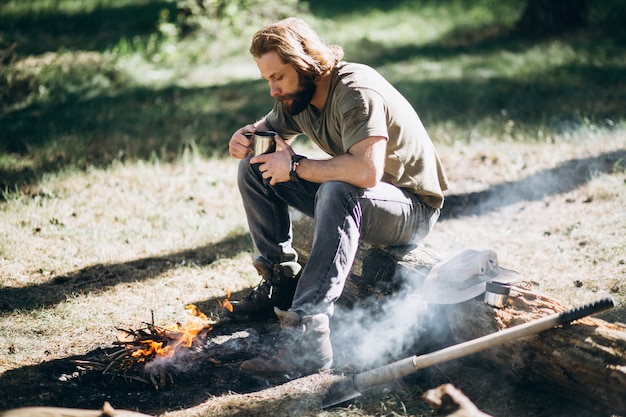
<point x="263" y="142"/>
<point x="497" y="294"/>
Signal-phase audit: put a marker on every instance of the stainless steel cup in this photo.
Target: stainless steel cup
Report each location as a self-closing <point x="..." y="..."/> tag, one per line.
<point x="497" y="294"/>
<point x="263" y="142"/>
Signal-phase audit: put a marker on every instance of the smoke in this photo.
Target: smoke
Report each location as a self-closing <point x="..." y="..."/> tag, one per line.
<point x="533" y="188"/>
<point x="181" y="360"/>
<point x="385" y="328"/>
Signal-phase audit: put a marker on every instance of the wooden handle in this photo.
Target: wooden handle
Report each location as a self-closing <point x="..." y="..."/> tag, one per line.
<point x="407" y="366"/>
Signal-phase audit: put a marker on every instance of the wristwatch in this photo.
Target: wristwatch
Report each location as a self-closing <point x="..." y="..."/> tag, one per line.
<point x="295" y="161"/>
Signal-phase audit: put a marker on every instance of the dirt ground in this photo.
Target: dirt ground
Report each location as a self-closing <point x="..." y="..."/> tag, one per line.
<point x="556" y="217"/>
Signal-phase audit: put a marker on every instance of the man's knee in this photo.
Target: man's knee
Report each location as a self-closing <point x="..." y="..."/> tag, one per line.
<point x="335" y="190"/>
<point x="334" y="196"/>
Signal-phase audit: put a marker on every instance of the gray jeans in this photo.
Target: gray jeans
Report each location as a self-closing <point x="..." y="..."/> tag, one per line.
<point x="343" y="215"/>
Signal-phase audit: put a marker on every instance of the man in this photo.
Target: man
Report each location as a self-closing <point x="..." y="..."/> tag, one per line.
<point x="383" y="184"/>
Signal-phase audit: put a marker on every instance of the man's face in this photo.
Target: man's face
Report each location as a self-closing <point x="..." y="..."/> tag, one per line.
<point x="294" y="90"/>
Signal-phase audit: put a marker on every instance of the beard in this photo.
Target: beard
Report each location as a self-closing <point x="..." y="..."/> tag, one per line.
<point x="300" y="99"/>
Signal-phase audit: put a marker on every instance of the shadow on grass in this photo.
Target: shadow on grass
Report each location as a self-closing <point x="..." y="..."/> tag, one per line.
<point x="476" y="41"/>
<point x="138" y="121"/>
<point x="98" y="278"/>
<point x="97" y="30"/>
<point x="549" y="102"/>
<point x="556" y="98"/>
<point x="559" y="180"/>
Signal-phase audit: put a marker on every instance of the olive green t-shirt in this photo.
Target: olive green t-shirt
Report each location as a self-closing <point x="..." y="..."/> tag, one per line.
<point x="361" y="104"/>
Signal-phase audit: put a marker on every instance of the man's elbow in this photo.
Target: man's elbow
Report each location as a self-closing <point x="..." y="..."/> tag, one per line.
<point x="368" y="179"/>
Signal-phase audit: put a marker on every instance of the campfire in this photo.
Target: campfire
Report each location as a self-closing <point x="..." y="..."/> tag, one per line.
<point x="151" y="353"/>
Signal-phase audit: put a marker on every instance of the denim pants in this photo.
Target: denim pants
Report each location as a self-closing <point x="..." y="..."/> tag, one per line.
<point x="343" y="215"/>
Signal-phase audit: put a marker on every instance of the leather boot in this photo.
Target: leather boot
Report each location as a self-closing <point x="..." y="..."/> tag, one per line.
<point x="276" y="289"/>
<point x="304" y="348"/>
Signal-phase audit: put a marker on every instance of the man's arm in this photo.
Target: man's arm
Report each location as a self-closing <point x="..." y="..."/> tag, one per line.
<point x="363" y="165"/>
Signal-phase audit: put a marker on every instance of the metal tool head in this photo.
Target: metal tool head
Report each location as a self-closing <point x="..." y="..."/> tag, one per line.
<point x="340" y="392"/>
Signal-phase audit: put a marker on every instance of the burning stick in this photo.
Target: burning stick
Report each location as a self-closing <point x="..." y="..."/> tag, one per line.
<point x="151" y="349"/>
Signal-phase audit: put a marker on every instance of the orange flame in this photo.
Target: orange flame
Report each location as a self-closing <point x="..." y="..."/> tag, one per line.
<point x="228" y="306"/>
<point x="171" y="338"/>
<point x="226" y="303"/>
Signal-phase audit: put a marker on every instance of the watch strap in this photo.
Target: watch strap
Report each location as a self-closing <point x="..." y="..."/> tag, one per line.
<point x="295" y="161"/>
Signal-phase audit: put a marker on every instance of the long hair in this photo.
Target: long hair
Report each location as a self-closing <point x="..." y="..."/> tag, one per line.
<point x="298" y="44"/>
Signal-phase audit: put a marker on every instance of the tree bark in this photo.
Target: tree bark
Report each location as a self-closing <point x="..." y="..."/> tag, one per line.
<point x="546" y="17"/>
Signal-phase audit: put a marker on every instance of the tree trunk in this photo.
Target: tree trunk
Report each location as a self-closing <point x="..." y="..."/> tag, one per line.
<point x="546" y="17"/>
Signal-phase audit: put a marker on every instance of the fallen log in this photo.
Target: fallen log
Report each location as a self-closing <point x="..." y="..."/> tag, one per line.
<point x="584" y="361"/>
<point x="106" y="411"/>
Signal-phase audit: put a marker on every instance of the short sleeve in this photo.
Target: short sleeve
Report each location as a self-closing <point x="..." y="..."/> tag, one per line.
<point x="363" y="115"/>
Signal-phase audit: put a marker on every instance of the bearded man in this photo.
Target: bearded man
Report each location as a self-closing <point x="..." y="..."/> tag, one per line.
<point x="382" y="183"/>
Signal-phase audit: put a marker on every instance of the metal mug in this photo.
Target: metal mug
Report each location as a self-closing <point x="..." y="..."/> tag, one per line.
<point x="263" y="142"/>
<point x="497" y="294"/>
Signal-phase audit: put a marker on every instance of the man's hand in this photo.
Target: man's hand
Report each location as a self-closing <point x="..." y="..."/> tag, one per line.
<point x="240" y="145"/>
<point x="275" y="165"/>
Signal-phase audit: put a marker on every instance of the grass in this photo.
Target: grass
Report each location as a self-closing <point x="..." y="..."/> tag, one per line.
<point x="118" y="198"/>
